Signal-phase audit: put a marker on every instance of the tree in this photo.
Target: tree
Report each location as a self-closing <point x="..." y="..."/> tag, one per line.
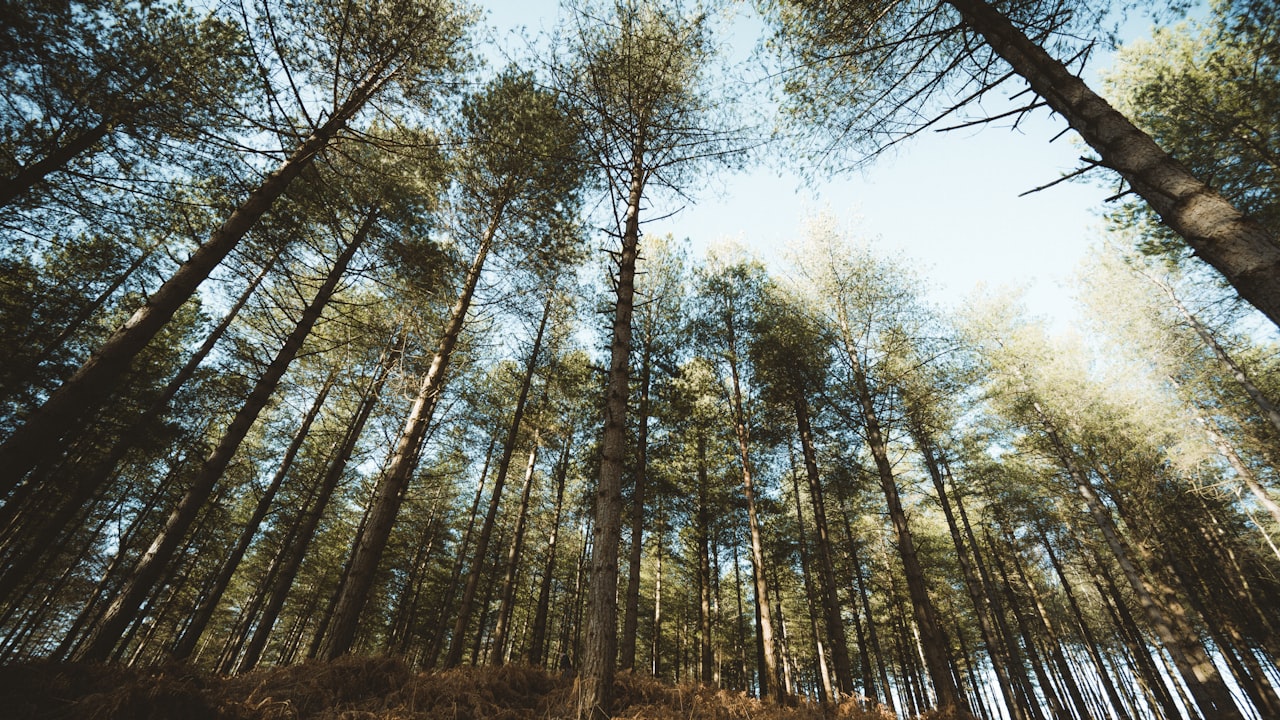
<point x="870" y="74"/>
<point x="518" y="175"/>
<point x="1206" y="91"/>
<point x="636" y="77"/>
<point x="423" y="45"/>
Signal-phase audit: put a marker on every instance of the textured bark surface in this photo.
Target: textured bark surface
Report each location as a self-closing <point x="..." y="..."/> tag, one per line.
<point x="1236" y="245"/>
<point x="600" y="641"/>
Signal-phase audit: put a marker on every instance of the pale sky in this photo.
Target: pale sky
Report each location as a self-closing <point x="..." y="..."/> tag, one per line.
<point x="947" y="202"/>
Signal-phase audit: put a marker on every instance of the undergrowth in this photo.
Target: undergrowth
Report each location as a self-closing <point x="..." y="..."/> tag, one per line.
<point x="367" y="689"/>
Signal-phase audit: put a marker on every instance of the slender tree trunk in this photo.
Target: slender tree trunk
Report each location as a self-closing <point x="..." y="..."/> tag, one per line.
<point x="656" y="644"/>
<point x="595" y="698"/>
<point x="1017" y="667"/>
<point x="825" y="691"/>
<point x="25" y="374"/>
<point x="466" y="604"/>
<point x="37" y="440"/>
<point x="932" y="638"/>
<point x="934" y="464"/>
<point x="372" y="541"/>
<point x="310" y="521"/>
<point x="1236" y="245"/>
<point x="1051" y="635"/>
<point x="151" y="566"/>
<point x="15" y="186"/>
<point x="1264" y="404"/>
<point x="1197" y="671"/>
<point x="209" y="603"/>
<point x="1091" y="644"/>
<point x="706" y="655"/>
<point x="537" y="644"/>
<point x="826" y="566"/>
<point x="627" y="643"/>
<point x="498" y="646"/>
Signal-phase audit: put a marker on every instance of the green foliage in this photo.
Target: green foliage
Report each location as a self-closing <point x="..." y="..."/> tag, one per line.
<point x="1208" y="92"/>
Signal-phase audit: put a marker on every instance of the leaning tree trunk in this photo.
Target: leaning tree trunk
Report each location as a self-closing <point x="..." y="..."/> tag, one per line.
<point x="124" y="608"/>
<point x="1235" y="244"/>
<point x="599" y="651"/>
<point x="467" y="603"/>
<point x="37" y="440"/>
<point x="1189" y="656"/>
<point x="30" y="545"/>
<point x="498" y="640"/>
<point x="372" y="540"/>
<point x="926" y="447"/>
<point x="706" y="657"/>
<point x="826" y="566"/>
<point x="209" y="603"/>
<point x="932" y="638"/>
<point x="538" y="642"/>
<point x="296" y="553"/>
<point x="825" y="693"/>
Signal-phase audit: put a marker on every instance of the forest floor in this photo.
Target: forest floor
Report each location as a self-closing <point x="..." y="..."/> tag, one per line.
<point x="364" y="688"/>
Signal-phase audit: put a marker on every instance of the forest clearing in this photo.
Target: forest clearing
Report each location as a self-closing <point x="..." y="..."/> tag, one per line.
<point x="341" y="378"/>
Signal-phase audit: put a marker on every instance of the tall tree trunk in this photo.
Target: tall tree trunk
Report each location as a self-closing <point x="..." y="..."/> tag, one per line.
<point x="1265" y="406"/>
<point x="631" y="612"/>
<point x="37" y="440"/>
<point x="466" y="604"/>
<point x="595" y="686"/>
<point x="1236" y="245"/>
<point x="932" y="638"/>
<point x="209" y="603"/>
<point x="498" y="646"/>
<point x="15" y="186"/>
<point x="706" y="656"/>
<point x="538" y="641"/>
<point x="825" y="691"/>
<point x="934" y="465"/>
<point x="310" y="521"/>
<point x="459" y="560"/>
<point x="1017" y="667"/>
<point x="826" y="567"/>
<point x="152" y="565"/>
<point x="372" y="540"/>
<point x="1091" y="644"/>
<point x="769" y="676"/>
<point x="655" y="648"/>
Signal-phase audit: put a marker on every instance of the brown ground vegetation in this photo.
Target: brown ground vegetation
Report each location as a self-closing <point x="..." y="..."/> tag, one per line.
<point x="361" y="688"/>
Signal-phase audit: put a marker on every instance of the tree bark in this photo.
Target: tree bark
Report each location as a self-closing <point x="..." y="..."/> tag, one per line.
<point x="825" y="691"/>
<point x="971" y="583"/>
<point x="294" y="555"/>
<point x="372" y="540"/>
<point x="599" y="656"/>
<point x="538" y="642"/>
<point x="630" y="616"/>
<point x="826" y="567"/>
<point x="770" y="678"/>
<point x="932" y="638"/>
<point x="1233" y="243"/>
<point x="151" y="566"/>
<point x="498" y="643"/>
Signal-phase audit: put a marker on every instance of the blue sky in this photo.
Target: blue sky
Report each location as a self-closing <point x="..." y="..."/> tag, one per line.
<point x="947" y="202"/>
